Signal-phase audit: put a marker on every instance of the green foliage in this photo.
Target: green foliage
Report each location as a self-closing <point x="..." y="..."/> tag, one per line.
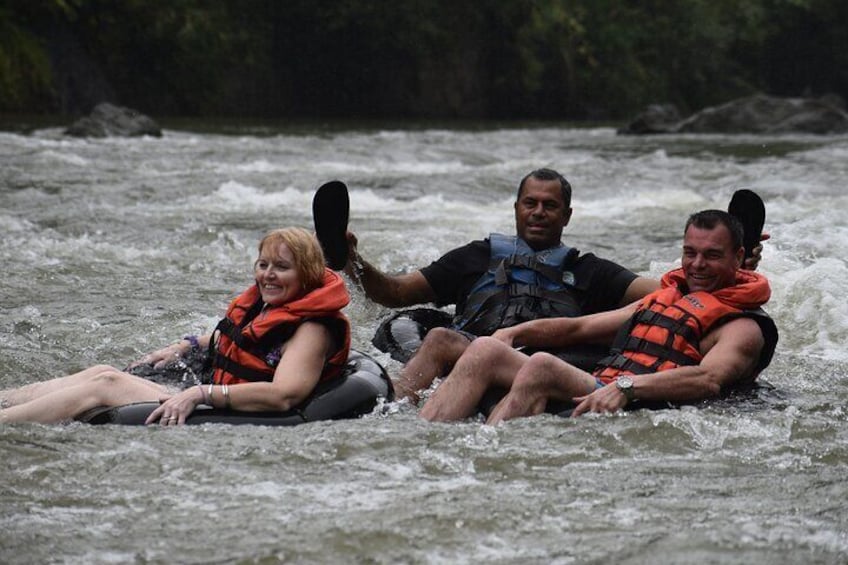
<point x="25" y="77"/>
<point x="175" y="56"/>
<point x="441" y="58"/>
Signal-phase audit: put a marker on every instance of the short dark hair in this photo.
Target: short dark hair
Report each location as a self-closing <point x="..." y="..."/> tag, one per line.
<point x="709" y="219"/>
<point x="548" y="174"/>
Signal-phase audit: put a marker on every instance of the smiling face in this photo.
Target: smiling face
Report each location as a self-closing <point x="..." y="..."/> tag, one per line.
<point x="540" y="213"/>
<point x="276" y="275"/>
<point x="709" y="258"/>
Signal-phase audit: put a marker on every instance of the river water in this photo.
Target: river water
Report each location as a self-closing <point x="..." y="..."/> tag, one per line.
<point x="114" y="247"/>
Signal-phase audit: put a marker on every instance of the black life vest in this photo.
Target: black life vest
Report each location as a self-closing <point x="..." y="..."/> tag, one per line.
<point x="520" y="285"/>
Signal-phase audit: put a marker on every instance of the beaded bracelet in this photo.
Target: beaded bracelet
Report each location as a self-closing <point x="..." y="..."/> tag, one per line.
<point x="192" y="339"/>
<point x="203" y="395"/>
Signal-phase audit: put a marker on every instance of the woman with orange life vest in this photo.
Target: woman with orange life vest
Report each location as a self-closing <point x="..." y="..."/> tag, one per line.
<point x="280" y="337"/>
<point x="700" y="333"/>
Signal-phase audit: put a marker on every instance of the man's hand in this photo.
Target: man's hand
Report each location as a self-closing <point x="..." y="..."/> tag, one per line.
<point x="606" y="399"/>
<point x="352" y="242"/>
<point x="505" y="335"/>
<point x="752" y="262"/>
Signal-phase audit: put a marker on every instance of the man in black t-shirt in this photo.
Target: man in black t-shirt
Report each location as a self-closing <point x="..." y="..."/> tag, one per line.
<point x="701" y="335"/>
<point x="542" y="210"/>
<point x="598" y="284"/>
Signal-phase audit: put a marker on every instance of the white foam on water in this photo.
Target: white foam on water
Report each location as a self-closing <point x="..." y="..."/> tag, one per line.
<point x="67" y="158"/>
<point x="151" y="238"/>
<point x="240" y="198"/>
<point x="260" y="166"/>
<point x="367" y="203"/>
<point x="791" y="532"/>
<point x="10" y="224"/>
<point x="808" y="303"/>
<point x="53" y="249"/>
<point x="638" y="200"/>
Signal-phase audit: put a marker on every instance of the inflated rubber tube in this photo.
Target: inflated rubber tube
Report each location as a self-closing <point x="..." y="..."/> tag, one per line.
<point x="352" y="395"/>
<point x="401" y="334"/>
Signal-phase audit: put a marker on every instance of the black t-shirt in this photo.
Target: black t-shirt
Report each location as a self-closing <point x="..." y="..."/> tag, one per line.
<point x="599" y="284"/>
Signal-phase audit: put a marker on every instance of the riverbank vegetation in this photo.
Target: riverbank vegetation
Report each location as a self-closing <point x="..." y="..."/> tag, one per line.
<point x="503" y="59"/>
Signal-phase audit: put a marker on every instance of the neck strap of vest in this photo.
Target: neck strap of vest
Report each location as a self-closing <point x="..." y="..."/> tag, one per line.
<point x="553" y="274"/>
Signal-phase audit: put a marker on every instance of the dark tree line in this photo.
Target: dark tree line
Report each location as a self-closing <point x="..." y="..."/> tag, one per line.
<point x="555" y="59"/>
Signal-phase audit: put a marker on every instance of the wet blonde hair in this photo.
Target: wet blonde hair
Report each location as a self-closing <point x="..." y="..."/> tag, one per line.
<point x="304" y="247"/>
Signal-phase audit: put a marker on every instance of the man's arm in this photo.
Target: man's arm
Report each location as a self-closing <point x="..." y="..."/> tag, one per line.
<point x="389" y="290"/>
<point x="550" y="333"/>
<point x="733" y="352"/>
<point x="638" y="289"/>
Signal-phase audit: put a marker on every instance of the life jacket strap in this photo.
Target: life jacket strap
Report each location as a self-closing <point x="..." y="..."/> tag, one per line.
<point x="619" y="362"/>
<point x="239" y="371"/>
<point x="662" y="353"/>
<point x="531" y="263"/>
<point x="258" y="348"/>
<point x="674" y="326"/>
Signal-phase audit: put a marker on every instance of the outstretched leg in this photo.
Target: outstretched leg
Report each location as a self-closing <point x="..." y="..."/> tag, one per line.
<point x="544" y="377"/>
<point x="437" y="354"/>
<point x="487" y="362"/>
<point x="26" y="393"/>
<point x="103" y="388"/>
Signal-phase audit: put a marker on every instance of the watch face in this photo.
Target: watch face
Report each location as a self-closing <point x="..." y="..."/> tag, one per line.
<point x="625" y="385"/>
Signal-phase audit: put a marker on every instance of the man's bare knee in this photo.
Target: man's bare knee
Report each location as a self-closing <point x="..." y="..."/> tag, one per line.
<point x="109" y="376"/>
<point x="489" y="347"/>
<point x="537" y="373"/>
<point x="542" y="361"/>
<point x="445" y="343"/>
<point x="442" y="337"/>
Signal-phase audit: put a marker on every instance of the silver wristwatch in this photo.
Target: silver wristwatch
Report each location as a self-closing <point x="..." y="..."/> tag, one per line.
<point x="625" y="385"/>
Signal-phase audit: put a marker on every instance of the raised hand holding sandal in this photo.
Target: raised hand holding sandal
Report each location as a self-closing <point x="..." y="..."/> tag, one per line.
<point x="330" y="213"/>
<point x="749" y="209"/>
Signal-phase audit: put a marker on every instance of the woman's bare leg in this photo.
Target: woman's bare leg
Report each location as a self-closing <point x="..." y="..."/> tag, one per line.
<point x="106" y="388"/>
<point x="486" y="363"/>
<point x="20" y="395"/>
<point x="544" y="377"/>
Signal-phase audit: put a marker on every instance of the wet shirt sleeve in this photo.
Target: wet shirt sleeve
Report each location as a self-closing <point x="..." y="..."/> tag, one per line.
<point x="454" y="273"/>
<point x="601" y="283"/>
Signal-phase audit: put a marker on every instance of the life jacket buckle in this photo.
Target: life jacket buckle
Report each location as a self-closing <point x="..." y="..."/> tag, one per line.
<point x="529" y="291"/>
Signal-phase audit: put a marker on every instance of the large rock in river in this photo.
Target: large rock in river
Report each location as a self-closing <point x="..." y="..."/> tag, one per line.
<point x="754" y="114"/>
<point x="107" y="120"/>
<point x="656" y="118"/>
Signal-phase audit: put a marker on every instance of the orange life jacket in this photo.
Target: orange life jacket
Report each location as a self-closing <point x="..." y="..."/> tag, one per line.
<point x="250" y="336"/>
<point x="666" y="331"/>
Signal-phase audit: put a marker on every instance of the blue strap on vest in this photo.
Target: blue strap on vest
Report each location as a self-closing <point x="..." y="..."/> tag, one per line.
<point x="520" y="285"/>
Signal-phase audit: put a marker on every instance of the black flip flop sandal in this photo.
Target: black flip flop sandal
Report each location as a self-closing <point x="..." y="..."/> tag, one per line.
<point x="749" y="209"/>
<point x="330" y="212"/>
